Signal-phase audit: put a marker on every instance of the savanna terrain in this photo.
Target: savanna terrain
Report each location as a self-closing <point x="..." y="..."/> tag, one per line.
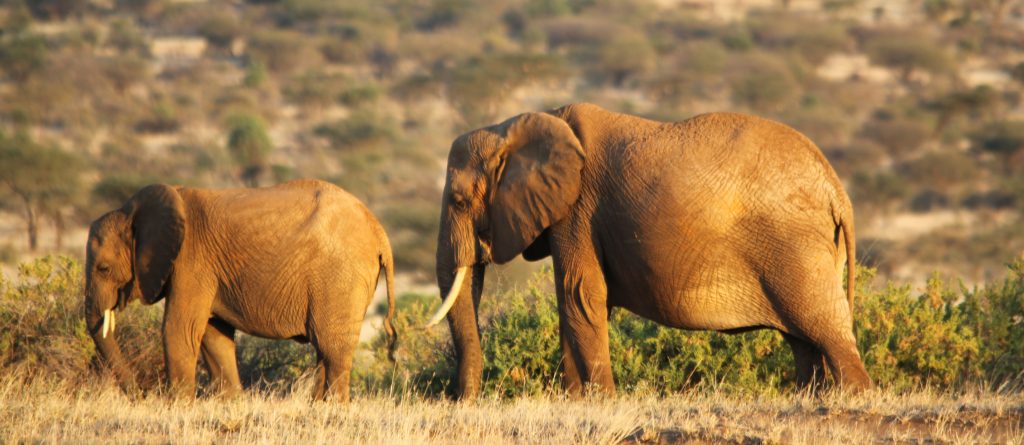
<point x="57" y="413"/>
<point x="947" y="362"/>
<point x="916" y="103"/>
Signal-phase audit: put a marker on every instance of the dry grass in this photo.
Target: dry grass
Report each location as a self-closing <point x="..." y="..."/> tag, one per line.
<point x="48" y="412"/>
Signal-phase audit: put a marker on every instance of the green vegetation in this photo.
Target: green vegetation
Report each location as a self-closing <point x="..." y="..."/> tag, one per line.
<point x="908" y="53"/>
<point x="100" y="98"/>
<point x="249" y="145"/>
<point x="940" y="337"/>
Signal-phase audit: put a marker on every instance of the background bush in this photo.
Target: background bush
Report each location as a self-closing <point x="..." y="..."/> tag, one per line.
<point x="369" y="94"/>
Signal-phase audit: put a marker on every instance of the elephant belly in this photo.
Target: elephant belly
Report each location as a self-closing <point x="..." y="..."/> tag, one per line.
<point x="705" y="285"/>
<point x="277" y="316"/>
<point x="721" y="306"/>
<point x="331" y="294"/>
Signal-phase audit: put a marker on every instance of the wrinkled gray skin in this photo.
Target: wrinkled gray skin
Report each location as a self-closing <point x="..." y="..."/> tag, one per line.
<point x="297" y="261"/>
<point x="724" y="221"/>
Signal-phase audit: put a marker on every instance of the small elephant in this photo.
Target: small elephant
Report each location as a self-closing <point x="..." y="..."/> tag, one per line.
<point x="296" y="261"/>
<point x="724" y="221"/>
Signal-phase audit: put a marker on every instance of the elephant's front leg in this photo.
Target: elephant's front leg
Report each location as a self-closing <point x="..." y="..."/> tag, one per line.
<point x="185" y="324"/>
<point x="218" y="349"/>
<point x="583" y="321"/>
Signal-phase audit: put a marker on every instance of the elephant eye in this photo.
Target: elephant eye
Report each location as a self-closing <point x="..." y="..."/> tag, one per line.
<point x="103" y="268"/>
<point x="460" y="201"/>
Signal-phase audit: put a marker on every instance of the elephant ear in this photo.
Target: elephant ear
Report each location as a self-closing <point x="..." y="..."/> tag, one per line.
<point x="539" y="183"/>
<point x="158" y="228"/>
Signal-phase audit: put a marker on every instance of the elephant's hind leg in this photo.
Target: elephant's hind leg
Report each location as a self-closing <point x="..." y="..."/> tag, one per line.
<point x="336" y="364"/>
<point x="319" y="380"/>
<point x="810" y="363"/>
<point x="335" y="335"/>
<point x="813" y="307"/>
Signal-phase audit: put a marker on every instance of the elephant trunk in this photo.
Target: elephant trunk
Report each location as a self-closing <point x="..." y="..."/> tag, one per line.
<point x="462" y="317"/>
<point x="101" y="324"/>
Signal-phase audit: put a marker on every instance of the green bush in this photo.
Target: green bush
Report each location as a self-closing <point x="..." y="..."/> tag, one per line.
<point x="1017" y="72"/>
<point x="255" y="74"/>
<point x="763" y="83"/>
<point x="900" y="136"/>
<point x="940" y="338"/>
<point x="941" y="171"/>
<point x="478" y="84"/>
<point x="22" y="55"/>
<point x="127" y="38"/>
<point x="424" y="358"/>
<point x="42" y="311"/>
<point x="359" y="95"/>
<point x="813" y="40"/>
<point x="161" y="118"/>
<point x="910" y="340"/>
<point x="996" y="314"/>
<point x="264" y="361"/>
<point x="908" y="53"/>
<point x="112" y="191"/>
<point x="406" y="225"/>
<point x="362" y="128"/>
<point x="624" y="56"/>
<point x="282" y="51"/>
<point x="250" y="145"/>
<point x="1004" y="137"/>
<point x="220" y="29"/>
<point x="314" y="89"/>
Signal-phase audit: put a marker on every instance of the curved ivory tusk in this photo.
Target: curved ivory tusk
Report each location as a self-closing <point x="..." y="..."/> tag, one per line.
<point x="113" y="321"/>
<point x="449" y="301"/>
<point x="106" y="322"/>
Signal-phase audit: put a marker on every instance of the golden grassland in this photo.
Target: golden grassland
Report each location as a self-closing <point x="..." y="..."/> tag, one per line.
<point x="48" y="411"/>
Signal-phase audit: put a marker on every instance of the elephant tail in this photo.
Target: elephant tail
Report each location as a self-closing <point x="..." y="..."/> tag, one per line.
<point x="846" y="224"/>
<point x="388" y="264"/>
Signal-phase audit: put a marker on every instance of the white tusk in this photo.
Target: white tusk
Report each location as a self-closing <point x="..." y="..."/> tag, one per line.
<point x="106" y="322"/>
<point x="449" y="301"/>
<point x="113" y="321"/>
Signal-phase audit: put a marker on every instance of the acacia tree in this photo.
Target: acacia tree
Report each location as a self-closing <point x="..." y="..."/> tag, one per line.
<point x="909" y="53"/>
<point x="44" y="179"/>
<point x="249" y="145"/>
<point x="22" y="55"/>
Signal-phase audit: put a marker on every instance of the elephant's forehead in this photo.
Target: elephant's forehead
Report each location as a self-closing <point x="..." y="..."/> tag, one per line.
<point x="106" y="229"/>
<point x="473" y="147"/>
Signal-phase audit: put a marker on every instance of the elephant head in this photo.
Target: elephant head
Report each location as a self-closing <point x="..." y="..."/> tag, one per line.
<point x="129" y="256"/>
<point x="505" y="186"/>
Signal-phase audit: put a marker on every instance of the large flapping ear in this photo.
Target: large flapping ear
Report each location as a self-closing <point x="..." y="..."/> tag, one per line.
<point x="540" y="182"/>
<point x="158" y="228"/>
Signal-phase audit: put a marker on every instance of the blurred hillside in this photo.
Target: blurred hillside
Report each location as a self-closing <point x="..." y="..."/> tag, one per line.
<point x="917" y="103"/>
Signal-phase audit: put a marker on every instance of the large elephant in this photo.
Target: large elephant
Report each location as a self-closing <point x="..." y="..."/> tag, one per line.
<point x="297" y="261"/>
<point x="724" y="221"/>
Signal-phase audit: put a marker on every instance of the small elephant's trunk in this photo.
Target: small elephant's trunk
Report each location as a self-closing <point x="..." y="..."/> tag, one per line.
<point x="101" y="325"/>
